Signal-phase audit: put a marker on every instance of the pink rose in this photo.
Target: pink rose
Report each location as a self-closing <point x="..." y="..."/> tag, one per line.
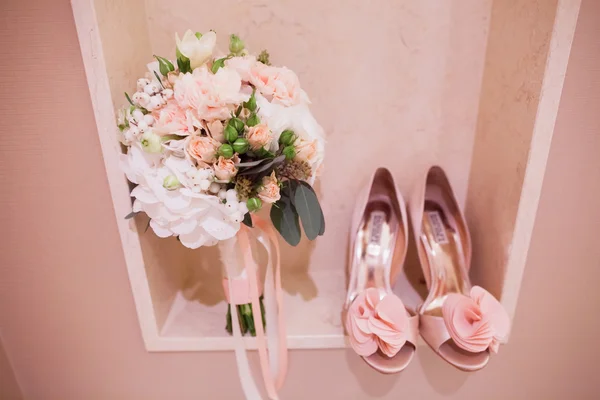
<point x="210" y="96"/>
<point x="269" y="191"/>
<point x="225" y="169"/>
<point x="258" y="136"/>
<point x="278" y="84"/>
<point x="216" y="130"/>
<point x="202" y="149"/>
<point x="306" y="150"/>
<point x="172" y="120"/>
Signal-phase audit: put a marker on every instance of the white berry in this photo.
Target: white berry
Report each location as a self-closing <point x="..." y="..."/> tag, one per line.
<point x="231" y="195"/>
<point x="196" y="189"/>
<point x="141" y="83"/>
<point x="167" y="93"/>
<point x="149" y="119"/>
<point x="231" y="206"/>
<point x="242" y="207"/>
<point x="214" y="187"/>
<point x="222" y="194"/>
<point x="237" y="216"/>
<point x="203" y="174"/>
<point x="141" y="98"/>
<point x="138" y="115"/>
<point x="142" y="126"/>
<point x="155" y="102"/>
<point x="205" y="184"/>
<point x="149" y="89"/>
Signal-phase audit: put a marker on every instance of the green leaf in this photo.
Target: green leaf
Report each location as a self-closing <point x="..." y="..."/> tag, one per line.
<point x="264" y="167"/>
<point x="285" y="220"/>
<point x="183" y="63"/>
<point x="128" y="99"/>
<point x="132" y="214"/>
<point x="228" y="325"/>
<point x="263" y="57"/>
<point x="220" y="63"/>
<point x="159" y="80"/>
<point x="253" y="120"/>
<point x="198" y="35"/>
<point x="307" y="205"/>
<point x="251" y="163"/>
<point x="251" y="103"/>
<point x="165" y="66"/>
<point x="248" y="220"/>
<point x="262" y="152"/>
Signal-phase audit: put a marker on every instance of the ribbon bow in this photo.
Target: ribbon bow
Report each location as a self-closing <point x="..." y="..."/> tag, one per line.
<point x="476" y="322"/>
<point x="374" y="323"/>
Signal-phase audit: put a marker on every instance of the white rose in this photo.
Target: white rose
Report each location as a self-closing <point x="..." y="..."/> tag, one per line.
<point x="197" y="50"/>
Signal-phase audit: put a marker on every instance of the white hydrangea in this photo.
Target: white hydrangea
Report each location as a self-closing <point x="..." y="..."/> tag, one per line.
<point x="196" y="217"/>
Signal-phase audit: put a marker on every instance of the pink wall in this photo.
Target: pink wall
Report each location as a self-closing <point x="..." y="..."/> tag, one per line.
<point x="67" y="317"/>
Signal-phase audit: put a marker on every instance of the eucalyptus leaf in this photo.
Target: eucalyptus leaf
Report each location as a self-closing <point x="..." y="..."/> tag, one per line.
<point x="307" y="185"/>
<point x="285" y="220"/>
<point x="264" y="167"/>
<point x="248" y="220"/>
<point x="307" y="205"/>
<point x="251" y="163"/>
<point x="132" y="214"/>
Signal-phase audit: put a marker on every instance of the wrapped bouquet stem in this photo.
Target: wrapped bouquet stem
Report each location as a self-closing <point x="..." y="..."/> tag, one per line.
<point x="243" y="289"/>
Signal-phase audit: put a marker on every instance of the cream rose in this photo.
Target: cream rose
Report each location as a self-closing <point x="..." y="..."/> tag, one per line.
<point x="306" y="150"/>
<point x="225" y="169"/>
<point x="202" y="149"/>
<point x="269" y="191"/>
<point x="258" y="136"/>
<point x="197" y="50"/>
<point x="216" y="130"/>
<point x="279" y="84"/>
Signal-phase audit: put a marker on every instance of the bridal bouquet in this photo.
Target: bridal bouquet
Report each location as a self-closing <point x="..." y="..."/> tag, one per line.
<point x="211" y="138"/>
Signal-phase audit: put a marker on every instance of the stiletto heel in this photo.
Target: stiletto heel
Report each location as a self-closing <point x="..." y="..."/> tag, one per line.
<point x="379" y="327"/>
<point x="462" y="323"/>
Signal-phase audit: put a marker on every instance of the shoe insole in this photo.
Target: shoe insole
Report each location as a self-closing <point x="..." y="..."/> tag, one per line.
<point x="445" y="255"/>
<point x="374" y="248"/>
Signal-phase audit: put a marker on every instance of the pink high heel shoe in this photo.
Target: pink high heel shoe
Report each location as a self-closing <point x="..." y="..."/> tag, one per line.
<point x="379" y="327"/>
<point x="463" y="324"/>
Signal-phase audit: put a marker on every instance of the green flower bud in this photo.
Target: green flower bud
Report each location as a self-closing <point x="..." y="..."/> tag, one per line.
<point x="253" y="120"/>
<point x="230" y="133"/>
<point x="226" y="151"/>
<point x="236" y="44"/>
<point x="198" y="35"/>
<point x="151" y="142"/>
<point x="289" y="152"/>
<point x="254" y="204"/>
<point x="171" y="182"/>
<point x="237" y="123"/>
<point x="287" y="138"/>
<point x="240" y="145"/>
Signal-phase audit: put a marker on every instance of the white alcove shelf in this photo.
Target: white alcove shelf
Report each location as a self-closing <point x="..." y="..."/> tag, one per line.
<point x="470" y="85"/>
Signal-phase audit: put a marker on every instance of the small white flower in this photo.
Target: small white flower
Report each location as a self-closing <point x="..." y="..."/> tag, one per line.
<point x="151" y="142"/>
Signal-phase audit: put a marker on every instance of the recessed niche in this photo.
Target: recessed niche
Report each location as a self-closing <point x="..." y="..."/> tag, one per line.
<point x="472" y="86"/>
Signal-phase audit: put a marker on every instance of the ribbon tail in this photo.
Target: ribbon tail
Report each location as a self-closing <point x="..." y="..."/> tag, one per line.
<point x="260" y="332"/>
<point x="246" y="379"/>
